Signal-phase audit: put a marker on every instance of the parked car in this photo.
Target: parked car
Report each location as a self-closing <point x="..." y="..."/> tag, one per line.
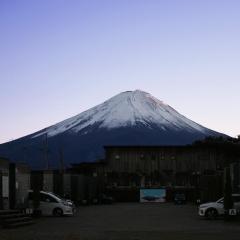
<point x="65" y="198"/>
<point x="180" y="198"/>
<point x="215" y="209"/>
<point x="51" y="204"/>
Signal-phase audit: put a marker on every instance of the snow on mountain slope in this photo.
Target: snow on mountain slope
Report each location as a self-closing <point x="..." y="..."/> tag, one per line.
<point x="129" y="119"/>
<point x="125" y="110"/>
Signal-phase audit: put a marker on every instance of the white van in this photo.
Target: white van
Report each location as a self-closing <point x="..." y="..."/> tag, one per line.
<point x="51" y="204"/>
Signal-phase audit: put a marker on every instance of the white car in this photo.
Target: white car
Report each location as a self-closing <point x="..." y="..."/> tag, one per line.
<point x="51" y="204"/>
<point x="215" y="209"/>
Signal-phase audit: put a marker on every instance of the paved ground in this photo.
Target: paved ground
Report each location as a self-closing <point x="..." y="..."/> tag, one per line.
<point x="131" y="221"/>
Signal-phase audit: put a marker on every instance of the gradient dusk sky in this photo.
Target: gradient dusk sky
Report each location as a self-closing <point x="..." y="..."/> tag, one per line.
<point x="61" y="57"/>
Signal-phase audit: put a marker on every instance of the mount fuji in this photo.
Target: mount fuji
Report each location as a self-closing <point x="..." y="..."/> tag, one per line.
<point x="129" y="118"/>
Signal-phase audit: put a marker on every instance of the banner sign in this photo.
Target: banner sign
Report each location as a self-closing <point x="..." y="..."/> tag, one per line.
<point x="152" y="195"/>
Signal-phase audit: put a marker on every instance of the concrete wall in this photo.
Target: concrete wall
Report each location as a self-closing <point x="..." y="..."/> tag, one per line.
<point x="67" y="185"/>
<point x="235" y="176"/>
<point x="48" y="181"/>
<point x="22" y="183"/>
<point x="19" y="184"/>
<point x="4" y="182"/>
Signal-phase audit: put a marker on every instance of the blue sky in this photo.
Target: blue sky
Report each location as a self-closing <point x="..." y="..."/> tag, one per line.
<point x="59" y="58"/>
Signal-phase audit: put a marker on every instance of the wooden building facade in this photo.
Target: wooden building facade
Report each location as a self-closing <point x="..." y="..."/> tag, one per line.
<point x="174" y="167"/>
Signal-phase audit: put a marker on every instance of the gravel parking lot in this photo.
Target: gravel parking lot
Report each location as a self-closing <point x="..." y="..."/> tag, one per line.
<point x="133" y="221"/>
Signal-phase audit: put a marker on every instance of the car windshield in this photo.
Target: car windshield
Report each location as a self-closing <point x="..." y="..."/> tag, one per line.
<point x="57" y="196"/>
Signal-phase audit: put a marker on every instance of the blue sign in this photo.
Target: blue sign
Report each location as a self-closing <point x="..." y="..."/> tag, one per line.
<point x="153" y="195"/>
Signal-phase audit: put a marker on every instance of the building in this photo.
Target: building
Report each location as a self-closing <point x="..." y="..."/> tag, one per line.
<point x="58" y="182"/>
<point x="197" y="170"/>
<point x="4" y="183"/>
<point x="192" y="169"/>
<point x="19" y="184"/>
<point x="87" y="181"/>
<point x="235" y="176"/>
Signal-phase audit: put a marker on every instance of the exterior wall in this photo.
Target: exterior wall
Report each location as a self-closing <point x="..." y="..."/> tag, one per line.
<point x="78" y="188"/>
<point x="235" y="176"/>
<point x="36" y="180"/>
<point x="22" y="183"/>
<point x="67" y="185"/>
<point x="48" y="181"/>
<point x="150" y="159"/>
<point x="19" y="184"/>
<point x="199" y="169"/>
<point x="51" y="181"/>
<point x="4" y="183"/>
<point x="85" y="188"/>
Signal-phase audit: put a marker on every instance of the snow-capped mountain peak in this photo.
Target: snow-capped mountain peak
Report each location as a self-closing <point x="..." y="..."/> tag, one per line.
<point x="133" y="118"/>
<point x="126" y="109"/>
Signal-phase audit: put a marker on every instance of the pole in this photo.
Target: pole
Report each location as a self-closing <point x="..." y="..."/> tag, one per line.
<point x="46" y="151"/>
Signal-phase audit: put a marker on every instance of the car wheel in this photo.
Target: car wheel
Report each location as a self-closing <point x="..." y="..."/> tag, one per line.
<point x="57" y="212"/>
<point x="211" y="213"/>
